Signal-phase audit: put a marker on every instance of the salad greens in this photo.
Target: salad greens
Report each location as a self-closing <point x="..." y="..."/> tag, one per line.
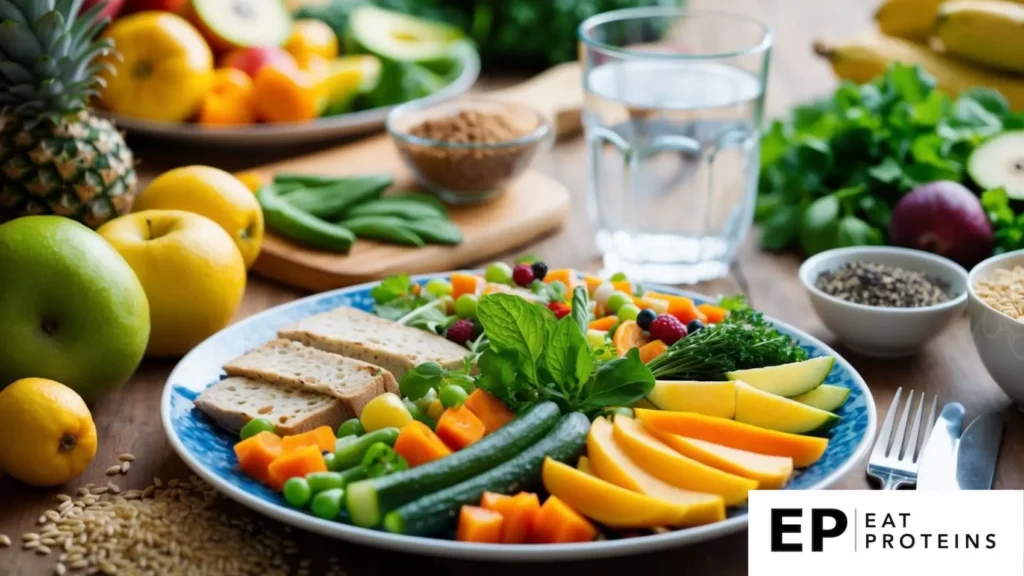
<point x="533" y="356"/>
<point x="832" y="173"/>
<point x="1008" y="227"/>
<point x="743" y="340"/>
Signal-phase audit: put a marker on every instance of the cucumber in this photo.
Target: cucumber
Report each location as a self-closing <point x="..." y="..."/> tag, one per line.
<point x="368" y="500"/>
<point x="289" y="221"/>
<point x="330" y="201"/>
<point x="438" y="511"/>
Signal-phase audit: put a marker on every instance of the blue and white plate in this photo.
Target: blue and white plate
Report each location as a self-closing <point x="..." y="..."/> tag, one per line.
<point x="207" y="449"/>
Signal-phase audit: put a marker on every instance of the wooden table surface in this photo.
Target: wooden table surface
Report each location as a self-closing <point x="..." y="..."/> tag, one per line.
<point x="129" y="420"/>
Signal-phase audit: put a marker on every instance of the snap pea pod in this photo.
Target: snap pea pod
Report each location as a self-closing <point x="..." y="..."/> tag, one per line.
<point x="330" y="201"/>
<point x="289" y="221"/>
<point x="397" y="206"/>
<point x="384" y="228"/>
<point x="315" y="180"/>
<point x="422" y="197"/>
<point x="436" y="231"/>
<point x="349" y="451"/>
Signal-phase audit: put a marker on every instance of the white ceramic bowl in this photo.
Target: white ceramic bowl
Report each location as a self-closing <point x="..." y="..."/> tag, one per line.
<point x="885" y="332"/>
<point x="998" y="338"/>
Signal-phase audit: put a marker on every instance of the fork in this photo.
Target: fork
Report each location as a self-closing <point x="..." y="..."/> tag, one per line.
<point x="893" y="462"/>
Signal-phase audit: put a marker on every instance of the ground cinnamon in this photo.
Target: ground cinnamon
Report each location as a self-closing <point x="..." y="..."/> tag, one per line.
<point x="463" y="175"/>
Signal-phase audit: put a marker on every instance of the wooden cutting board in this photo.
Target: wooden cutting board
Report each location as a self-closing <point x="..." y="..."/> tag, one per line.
<point x="535" y="205"/>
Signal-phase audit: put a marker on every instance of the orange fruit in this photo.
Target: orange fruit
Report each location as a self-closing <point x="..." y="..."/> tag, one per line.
<point x="629" y="335"/>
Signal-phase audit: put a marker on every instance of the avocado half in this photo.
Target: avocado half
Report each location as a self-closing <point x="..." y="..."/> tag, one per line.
<point x="400" y="37"/>
<point x="999" y="163"/>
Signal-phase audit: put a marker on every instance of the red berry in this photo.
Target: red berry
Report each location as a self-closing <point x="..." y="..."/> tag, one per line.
<point x="560" y="309"/>
<point x="522" y="275"/>
<point x="668" y="329"/>
<point x="461" y="331"/>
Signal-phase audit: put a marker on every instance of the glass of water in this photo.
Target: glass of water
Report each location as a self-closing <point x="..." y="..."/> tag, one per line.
<point x="672" y="112"/>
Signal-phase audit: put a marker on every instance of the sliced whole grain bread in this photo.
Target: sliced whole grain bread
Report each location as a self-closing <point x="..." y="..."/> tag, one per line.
<point x="370" y="338"/>
<point x="234" y="401"/>
<point x="288" y="363"/>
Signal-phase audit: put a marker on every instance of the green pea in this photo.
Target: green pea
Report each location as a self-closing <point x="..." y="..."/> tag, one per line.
<point x="465" y="306"/>
<point x="628" y="312"/>
<point x="452" y="395"/>
<point x="498" y="273"/>
<point x="255" y="426"/>
<point x="618" y="300"/>
<point x="416" y="412"/>
<point x="323" y="481"/>
<point x="327" y="504"/>
<point x="297" y="492"/>
<point x="351" y="427"/>
<point x="439" y="287"/>
<point x="329" y="460"/>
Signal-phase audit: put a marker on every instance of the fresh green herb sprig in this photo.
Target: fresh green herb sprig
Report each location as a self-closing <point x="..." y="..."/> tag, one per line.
<point x="1008" y="227"/>
<point x="832" y="173"/>
<point x="416" y="383"/>
<point x="532" y="356"/>
<point x="743" y="340"/>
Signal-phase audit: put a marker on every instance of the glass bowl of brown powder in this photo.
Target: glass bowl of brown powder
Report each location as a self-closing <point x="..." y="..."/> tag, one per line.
<point x="468" y="150"/>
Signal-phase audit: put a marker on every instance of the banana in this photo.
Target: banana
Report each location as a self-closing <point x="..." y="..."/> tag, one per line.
<point x="908" y="19"/>
<point x="863" y="58"/>
<point x="986" y="32"/>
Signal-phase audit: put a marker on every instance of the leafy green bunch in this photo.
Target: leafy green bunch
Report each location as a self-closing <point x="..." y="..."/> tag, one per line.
<point x="533" y="356"/>
<point x="1008" y="226"/>
<point x="832" y="173"/>
<point x="395" y="299"/>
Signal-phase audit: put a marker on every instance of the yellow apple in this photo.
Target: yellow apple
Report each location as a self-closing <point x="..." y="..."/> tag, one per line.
<point x="214" y="193"/>
<point x="191" y="270"/>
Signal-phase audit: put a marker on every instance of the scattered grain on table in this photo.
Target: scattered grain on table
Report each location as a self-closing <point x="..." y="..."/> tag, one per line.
<point x="1004" y="291"/>
<point x="181" y="529"/>
<point x="882" y="285"/>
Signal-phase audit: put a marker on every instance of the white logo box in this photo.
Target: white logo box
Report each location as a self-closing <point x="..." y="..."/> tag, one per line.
<point x="896" y="532"/>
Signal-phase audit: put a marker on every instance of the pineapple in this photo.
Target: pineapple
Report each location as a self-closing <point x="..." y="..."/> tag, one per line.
<point x="56" y="157"/>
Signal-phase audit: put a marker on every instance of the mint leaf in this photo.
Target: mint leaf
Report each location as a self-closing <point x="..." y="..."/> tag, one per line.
<point x="620" y="382"/>
<point x="391" y="288"/>
<point x="514" y="325"/>
<point x="417" y="382"/>
<point x="567" y="356"/>
<point x="581" y="308"/>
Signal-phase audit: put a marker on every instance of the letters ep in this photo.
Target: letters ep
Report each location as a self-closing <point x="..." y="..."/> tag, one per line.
<point x="781" y="527"/>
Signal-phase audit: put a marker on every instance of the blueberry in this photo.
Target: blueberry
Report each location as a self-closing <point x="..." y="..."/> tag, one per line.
<point x="645" y="317"/>
<point x="540" y="270"/>
<point x="694" y="326"/>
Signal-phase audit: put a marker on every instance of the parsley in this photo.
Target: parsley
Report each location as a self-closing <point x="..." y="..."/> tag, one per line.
<point x="1008" y="227"/>
<point x="832" y="173"/>
<point x="533" y="356"/>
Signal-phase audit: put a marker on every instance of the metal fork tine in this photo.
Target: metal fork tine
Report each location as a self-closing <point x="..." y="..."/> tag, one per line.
<point x="929" y="425"/>
<point x="882" y="444"/>
<point x="911" y="451"/>
<point x="897" y="442"/>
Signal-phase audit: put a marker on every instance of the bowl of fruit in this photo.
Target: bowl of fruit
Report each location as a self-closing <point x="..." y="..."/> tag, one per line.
<point x="254" y="72"/>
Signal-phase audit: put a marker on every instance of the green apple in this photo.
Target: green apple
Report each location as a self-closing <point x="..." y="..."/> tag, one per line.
<point x="71" y="309"/>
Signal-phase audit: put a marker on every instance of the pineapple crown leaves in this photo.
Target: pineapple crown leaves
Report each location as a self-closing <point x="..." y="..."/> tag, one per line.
<point x="49" y="58"/>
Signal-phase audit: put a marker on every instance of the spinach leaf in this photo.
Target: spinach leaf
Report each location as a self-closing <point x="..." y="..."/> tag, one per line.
<point x="620" y="382"/>
<point x="415" y="383"/>
<point x="391" y="288"/>
<point x="514" y="325"/>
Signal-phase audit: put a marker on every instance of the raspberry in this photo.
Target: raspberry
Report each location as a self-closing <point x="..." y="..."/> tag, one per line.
<point x="461" y="331"/>
<point x="522" y="275"/>
<point x="668" y="329"/>
<point x="559" y="308"/>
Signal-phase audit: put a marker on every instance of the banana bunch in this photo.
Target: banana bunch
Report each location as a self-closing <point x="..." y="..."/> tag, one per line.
<point x="962" y="43"/>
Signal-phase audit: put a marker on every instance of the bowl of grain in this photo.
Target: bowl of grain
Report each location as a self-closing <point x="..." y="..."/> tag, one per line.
<point x="997" y="319"/>
<point x="884" y="302"/>
<point x="468" y="150"/>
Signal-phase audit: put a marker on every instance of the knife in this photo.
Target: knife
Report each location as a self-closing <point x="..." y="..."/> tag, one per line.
<point x="978" y="452"/>
<point x="938" y="459"/>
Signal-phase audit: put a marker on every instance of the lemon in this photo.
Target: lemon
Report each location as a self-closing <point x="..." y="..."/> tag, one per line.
<point x="213" y="193"/>
<point x="47" y="436"/>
